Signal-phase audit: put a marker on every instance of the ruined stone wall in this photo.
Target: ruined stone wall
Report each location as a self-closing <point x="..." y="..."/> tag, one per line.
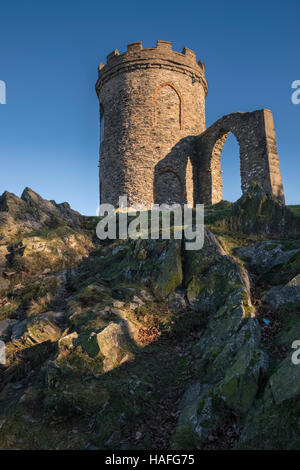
<point x="259" y="160"/>
<point x="152" y="103"/>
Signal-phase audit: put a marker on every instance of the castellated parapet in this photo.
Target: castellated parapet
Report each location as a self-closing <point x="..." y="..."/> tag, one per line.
<point x="154" y="144"/>
<point x="152" y="103"/>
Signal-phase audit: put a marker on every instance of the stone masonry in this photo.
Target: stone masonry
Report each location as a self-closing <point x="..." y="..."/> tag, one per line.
<point x="154" y="144"/>
<point x="259" y="161"/>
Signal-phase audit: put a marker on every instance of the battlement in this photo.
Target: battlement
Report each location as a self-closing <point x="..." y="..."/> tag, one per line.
<point x="161" y="56"/>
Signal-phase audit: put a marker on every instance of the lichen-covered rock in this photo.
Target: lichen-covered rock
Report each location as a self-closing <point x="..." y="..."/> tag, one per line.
<point x="161" y="270"/>
<point x="37" y="234"/>
<point x="169" y="269"/>
<point x="211" y="275"/>
<point x="202" y="411"/>
<point x="289" y="332"/>
<point x="226" y="332"/>
<point x="32" y="212"/>
<point x="243" y="378"/>
<point x="259" y="213"/>
<point x="66" y="344"/>
<point x="38" y="329"/>
<point x="273" y="423"/>
<point x="274" y="427"/>
<point x="284" y="384"/>
<point x="198" y="262"/>
<point x="265" y="255"/>
<point x="288" y="294"/>
<point x="230" y="367"/>
<point x="114" y="347"/>
<point x="177" y="299"/>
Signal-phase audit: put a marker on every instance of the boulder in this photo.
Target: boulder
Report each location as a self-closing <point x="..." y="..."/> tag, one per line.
<point x="38" y="329"/>
<point x="113" y="344"/>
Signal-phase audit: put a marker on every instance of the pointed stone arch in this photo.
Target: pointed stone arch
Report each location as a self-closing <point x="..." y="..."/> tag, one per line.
<point x="189" y="182"/>
<point x="216" y="155"/>
<point x="154" y="102"/>
<point x="259" y="160"/>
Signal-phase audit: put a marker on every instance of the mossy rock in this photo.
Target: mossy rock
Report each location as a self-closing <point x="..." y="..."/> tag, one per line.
<point x="242" y="380"/>
<point x="203" y="411"/>
<point x="38" y="329"/>
<point x="271" y="427"/>
<point x="261" y="214"/>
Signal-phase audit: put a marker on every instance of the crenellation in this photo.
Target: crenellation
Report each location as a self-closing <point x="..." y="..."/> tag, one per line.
<point x="201" y="65"/>
<point x="135" y="46"/>
<point x="112" y="55"/>
<point x="162" y="55"/>
<point x="189" y="53"/>
<point x="164" y="45"/>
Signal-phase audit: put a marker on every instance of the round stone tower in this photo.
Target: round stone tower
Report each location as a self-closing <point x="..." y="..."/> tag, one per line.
<point x="152" y="104"/>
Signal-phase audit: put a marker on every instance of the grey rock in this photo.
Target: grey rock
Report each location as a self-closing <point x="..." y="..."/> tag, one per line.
<point x="6" y="328"/>
<point x="280" y="295"/>
<point x="265" y="255"/>
<point x="113" y="344"/>
<point x="285" y="382"/>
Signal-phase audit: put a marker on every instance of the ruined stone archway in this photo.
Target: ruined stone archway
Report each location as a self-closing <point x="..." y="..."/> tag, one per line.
<point x="259" y="160"/>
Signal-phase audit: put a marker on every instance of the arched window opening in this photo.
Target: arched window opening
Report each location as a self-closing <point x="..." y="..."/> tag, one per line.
<point x="230" y="169"/>
<point x="167" y="106"/>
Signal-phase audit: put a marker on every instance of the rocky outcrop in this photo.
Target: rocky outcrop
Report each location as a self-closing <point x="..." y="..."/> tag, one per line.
<point x="261" y="214"/>
<point x="255" y="213"/>
<point x="141" y="344"/>
<point x="31" y="211"/>
<point x="38" y="235"/>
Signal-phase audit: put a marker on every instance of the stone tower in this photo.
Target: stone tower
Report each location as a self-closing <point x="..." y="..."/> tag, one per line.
<point x="152" y="104"/>
<point x="155" y="147"/>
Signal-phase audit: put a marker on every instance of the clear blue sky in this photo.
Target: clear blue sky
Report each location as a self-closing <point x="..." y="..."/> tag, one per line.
<point x="50" y="50"/>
